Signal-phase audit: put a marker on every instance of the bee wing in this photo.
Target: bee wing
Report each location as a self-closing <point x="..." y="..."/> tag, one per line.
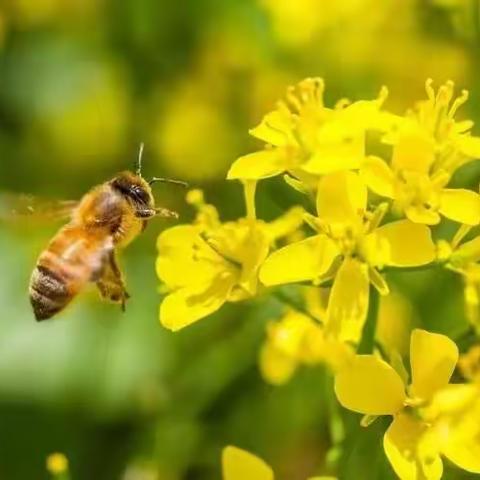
<point x="15" y="207"/>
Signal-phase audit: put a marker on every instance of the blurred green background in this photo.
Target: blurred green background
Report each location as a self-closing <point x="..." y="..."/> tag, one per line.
<point x="82" y="83"/>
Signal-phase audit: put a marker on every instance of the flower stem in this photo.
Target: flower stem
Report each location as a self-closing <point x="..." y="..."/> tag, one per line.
<point x="250" y="187"/>
<point x="295" y="303"/>
<point x="368" y="338"/>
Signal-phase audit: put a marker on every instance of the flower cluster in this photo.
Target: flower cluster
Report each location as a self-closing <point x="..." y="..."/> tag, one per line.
<point x="209" y="263"/>
<point x="380" y="185"/>
<point x="430" y="416"/>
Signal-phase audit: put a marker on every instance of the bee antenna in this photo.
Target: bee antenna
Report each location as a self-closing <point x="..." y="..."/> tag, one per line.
<point x="139" y="160"/>
<point x="168" y="180"/>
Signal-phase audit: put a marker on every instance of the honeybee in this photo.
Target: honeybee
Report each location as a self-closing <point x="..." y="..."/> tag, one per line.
<point x="107" y="218"/>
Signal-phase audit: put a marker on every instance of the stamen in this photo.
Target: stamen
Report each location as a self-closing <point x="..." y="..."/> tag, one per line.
<point x="307" y="90"/>
<point x="211" y="243"/>
<point x="382" y="95"/>
<point x="459" y="101"/>
<point x="342" y="103"/>
<point x="292" y="98"/>
<point x="319" y="90"/>
<point x="462" y="232"/>
<point x="445" y="93"/>
<point x="377" y="216"/>
<point x="429" y="89"/>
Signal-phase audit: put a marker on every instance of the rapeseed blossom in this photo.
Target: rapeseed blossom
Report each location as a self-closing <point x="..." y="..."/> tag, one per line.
<point x="435" y="116"/>
<point x="350" y="247"/>
<point x="417" y="190"/>
<point x="323" y="152"/>
<point x="429" y="145"/>
<point x="463" y="257"/>
<point x="299" y="338"/>
<point x="209" y="263"/>
<point x="305" y="137"/>
<point x="238" y="464"/>
<point x="430" y="417"/>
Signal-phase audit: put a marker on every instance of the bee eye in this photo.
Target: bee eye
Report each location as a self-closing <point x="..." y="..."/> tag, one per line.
<point x="139" y="194"/>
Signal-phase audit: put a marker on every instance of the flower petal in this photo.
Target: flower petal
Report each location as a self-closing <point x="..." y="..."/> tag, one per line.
<point x="299" y="261"/>
<point x="262" y="164"/>
<point x="336" y="151"/>
<point x="414" y="152"/>
<point x="400" y="244"/>
<point x="341" y="198"/>
<point x="462" y="446"/>
<point x="460" y="205"/>
<point x="187" y="305"/>
<point x="370" y="386"/>
<point x="176" y="248"/>
<point x="421" y="214"/>
<point x="276" y="367"/>
<point x="378" y="176"/>
<point x="469" y="146"/>
<point x="403" y="446"/>
<point x="276" y="128"/>
<point x="241" y="465"/>
<point x="465" y="454"/>
<point x="286" y="224"/>
<point x="433" y="358"/>
<point x="348" y="302"/>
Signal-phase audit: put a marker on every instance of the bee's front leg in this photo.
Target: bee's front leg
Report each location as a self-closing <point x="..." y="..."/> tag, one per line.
<point x="156" y="212"/>
<point x="111" y="284"/>
<point x="165" y="213"/>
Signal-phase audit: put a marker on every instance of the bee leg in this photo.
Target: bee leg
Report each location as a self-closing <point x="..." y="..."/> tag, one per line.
<point x="165" y="213"/>
<point x="145" y="213"/>
<point x="156" y="212"/>
<point x="110" y="283"/>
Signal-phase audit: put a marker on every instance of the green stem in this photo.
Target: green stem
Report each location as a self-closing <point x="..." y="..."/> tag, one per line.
<point x="335" y="424"/>
<point x="367" y="342"/>
<point x="292" y="302"/>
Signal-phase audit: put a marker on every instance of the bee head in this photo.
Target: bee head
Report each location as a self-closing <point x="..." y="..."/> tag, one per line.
<point x="135" y="188"/>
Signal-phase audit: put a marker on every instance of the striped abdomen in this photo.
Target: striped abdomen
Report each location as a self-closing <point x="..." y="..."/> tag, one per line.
<point x="73" y="258"/>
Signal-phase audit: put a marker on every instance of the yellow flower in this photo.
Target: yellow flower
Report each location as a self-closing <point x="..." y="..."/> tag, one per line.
<point x="469" y="363"/>
<point x="297" y="339"/>
<point x="464" y="259"/>
<point x="349" y="247"/>
<point x="455" y="416"/>
<point x="305" y="137"/>
<point x="57" y="463"/>
<point x="434" y="118"/>
<point x="208" y="263"/>
<point x="394" y="323"/>
<point x="238" y="464"/>
<point x="429" y="414"/>
<point x="241" y="465"/>
<point x="416" y="188"/>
